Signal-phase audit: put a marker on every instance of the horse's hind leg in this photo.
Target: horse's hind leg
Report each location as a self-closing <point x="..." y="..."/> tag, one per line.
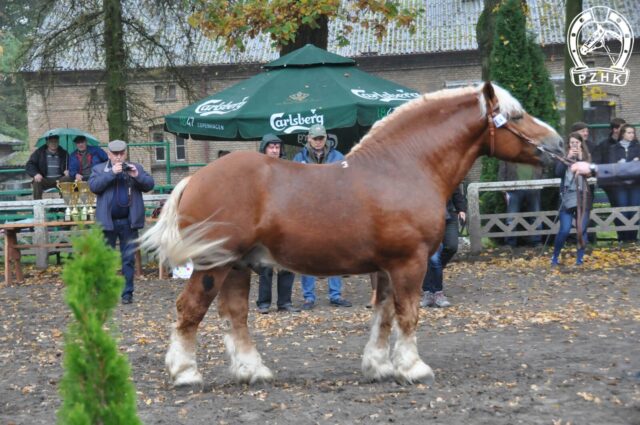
<point x="406" y="280"/>
<point x="191" y="306"/>
<point x="233" y="305"/>
<point x="376" y="363"/>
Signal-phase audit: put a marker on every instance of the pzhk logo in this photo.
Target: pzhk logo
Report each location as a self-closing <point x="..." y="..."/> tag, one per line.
<point x="608" y="34"/>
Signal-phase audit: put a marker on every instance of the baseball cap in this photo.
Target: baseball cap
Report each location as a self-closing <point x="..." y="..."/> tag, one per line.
<point x="271" y="138"/>
<point x="117" y="145"/>
<point x="51" y="135"/>
<point x="317" y="130"/>
<point x="579" y="126"/>
<point x="79" y="139"/>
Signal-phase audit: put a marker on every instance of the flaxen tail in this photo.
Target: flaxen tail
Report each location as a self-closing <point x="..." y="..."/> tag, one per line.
<point x="178" y="246"/>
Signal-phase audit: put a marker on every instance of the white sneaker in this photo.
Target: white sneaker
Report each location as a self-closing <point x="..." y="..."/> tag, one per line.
<point x="427" y="299"/>
<point x="440" y="300"/>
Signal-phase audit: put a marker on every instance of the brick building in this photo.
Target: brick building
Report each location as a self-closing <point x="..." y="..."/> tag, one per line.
<point x="443" y="53"/>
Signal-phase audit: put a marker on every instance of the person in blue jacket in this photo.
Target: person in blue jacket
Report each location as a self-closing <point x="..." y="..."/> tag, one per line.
<point x="120" y="207"/>
<point x="84" y="158"/>
<point x="317" y="151"/>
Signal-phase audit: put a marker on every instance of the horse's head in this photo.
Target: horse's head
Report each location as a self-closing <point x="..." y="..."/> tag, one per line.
<point x="514" y="135"/>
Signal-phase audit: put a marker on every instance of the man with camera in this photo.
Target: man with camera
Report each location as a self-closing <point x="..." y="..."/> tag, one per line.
<point x="119" y="206"/>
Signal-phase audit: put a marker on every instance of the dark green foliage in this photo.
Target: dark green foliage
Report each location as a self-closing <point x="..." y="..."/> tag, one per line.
<point x="510" y="66"/>
<point x="490" y="202"/>
<point x="13" y="103"/>
<point x="518" y="65"/>
<point x="95" y="387"/>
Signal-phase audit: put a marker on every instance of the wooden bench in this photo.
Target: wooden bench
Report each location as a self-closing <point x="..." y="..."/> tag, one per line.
<point x="13" y="255"/>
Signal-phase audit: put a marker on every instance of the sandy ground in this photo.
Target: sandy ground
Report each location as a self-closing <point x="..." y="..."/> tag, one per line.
<point x="522" y="344"/>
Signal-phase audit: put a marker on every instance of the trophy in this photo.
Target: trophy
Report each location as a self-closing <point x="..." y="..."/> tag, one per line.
<point x="67" y="191"/>
<point x="75" y="213"/>
<point x="83" y="193"/>
<point x="91" y="213"/>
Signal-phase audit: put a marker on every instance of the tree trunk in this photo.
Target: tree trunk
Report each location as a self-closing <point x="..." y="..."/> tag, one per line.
<point x="319" y="37"/>
<point x="573" y="94"/>
<point x="116" y="72"/>
<point x="485" y="33"/>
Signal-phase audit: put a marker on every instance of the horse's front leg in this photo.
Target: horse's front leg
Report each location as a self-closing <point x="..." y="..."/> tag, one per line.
<point x="376" y="363"/>
<point x="233" y="305"/>
<point x="191" y="306"/>
<point x="406" y="280"/>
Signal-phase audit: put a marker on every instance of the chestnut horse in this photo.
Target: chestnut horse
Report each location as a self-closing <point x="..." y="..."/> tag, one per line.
<point x="381" y="210"/>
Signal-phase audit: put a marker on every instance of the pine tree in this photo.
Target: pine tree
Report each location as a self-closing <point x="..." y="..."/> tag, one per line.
<point x="95" y="387"/>
<point x="517" y="63"/>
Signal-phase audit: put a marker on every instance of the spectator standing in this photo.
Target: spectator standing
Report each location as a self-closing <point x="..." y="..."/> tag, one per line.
<point x="317" y="151"/>
<point x="84" y="158"/>
<point x="571" y="187"/>
<point x="627" y="149"/>
<point x="432" y="285"/>
<point x="272" y="146"/>
<point x="582" y="128"/>
<point x="520" y="200"/>
<point x="601" y="153"/>
<point x="48" y="165"/>
<point x="119" y="205"/>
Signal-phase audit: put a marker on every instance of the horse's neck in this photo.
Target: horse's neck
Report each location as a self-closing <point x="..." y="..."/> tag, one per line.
<point x="444" y="150"/>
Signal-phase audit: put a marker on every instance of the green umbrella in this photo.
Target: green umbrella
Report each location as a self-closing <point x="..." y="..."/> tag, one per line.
<point x="66" y="138"/>
<point x="308" y="86"/>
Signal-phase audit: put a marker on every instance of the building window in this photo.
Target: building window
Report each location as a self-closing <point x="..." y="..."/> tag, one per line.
<point x="159" y="95"/>
<point x="171" y="92"/>
<point x="160" y="151"/>
<point x="181" y="153"/>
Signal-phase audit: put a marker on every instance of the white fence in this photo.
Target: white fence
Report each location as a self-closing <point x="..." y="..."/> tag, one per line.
<point x="542" y="222"/>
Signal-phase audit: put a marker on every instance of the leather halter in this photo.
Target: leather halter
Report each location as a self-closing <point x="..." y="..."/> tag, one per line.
<point x="496" y="120"/>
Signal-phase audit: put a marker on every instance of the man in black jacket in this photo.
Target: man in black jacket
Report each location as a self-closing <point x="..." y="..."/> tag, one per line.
<point x="47" y="165"/>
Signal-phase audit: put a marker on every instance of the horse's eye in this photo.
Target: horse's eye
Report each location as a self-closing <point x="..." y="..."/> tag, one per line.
<point x="516" y="117"/>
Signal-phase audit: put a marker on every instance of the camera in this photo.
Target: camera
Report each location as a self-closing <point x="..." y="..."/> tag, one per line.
<point x="128" y="167"/>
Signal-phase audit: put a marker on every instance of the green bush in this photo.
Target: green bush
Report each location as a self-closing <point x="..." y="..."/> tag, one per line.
<point x="95" y="388"/>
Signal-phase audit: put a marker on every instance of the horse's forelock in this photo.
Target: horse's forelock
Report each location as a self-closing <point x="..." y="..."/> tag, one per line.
<point x="509" y="105"/>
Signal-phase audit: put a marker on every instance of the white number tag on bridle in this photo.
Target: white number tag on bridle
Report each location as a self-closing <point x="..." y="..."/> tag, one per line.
<point x="499" y="120"/>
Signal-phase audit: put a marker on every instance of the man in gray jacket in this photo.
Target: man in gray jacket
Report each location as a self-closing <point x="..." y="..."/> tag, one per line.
<point x="617" y="173"/>
<point x="119" y="207"/>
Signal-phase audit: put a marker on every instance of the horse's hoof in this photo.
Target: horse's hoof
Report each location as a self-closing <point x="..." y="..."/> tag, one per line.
<point x="378" y="371"/>
<point x="188" y="377"/>
<point x="418" y="372"/>
<point x="251" y="375"/>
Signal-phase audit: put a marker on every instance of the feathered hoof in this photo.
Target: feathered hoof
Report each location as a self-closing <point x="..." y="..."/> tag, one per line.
<point x="252" y="374"/>
<point x="419" y="371"/>
<point x="189" y="377"/>
<point x="377" y="371"/>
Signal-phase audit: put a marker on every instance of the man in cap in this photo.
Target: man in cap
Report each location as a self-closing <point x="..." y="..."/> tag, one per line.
<point x="48" y="165"/>
<point x="317" y="151"/>
<point x="119" y="206"/>
<point x="84" y="158"/>
<point x="271" y="145"/>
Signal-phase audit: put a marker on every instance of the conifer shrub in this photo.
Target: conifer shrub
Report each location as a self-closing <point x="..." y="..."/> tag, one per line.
<point x="95" y="387"/>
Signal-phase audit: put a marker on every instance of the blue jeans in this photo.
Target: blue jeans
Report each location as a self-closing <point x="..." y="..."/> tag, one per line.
<point x="285" y="285"/>
<point x="122" y="231"/>
<point x="309" y="287"/>
<point x="432" y="281"/>
<point x="627" y="196"/>
<point x="450" y="241"/>
<point x="566" y="219"/>
<point x="517" y="200"/>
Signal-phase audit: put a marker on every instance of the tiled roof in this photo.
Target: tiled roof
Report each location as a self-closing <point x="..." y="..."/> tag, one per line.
<point x="446" y="26"/>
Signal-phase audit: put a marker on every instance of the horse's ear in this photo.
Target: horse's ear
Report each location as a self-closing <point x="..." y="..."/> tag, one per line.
<point x="487" y="91"/>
